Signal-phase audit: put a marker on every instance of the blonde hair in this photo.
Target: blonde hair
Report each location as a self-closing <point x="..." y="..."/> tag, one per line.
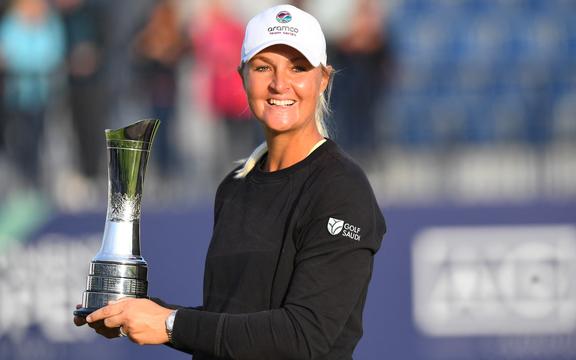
<point x="320" y="115"/>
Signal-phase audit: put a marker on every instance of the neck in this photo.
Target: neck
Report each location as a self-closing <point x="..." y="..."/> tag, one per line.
<point x="285" y="150"/>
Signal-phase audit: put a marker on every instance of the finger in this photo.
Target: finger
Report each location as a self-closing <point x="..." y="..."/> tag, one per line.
<point x="122" y="299"/>
<point x="114" y="321"/>
<point x="103" y="330"/>
<point x="104" y="312"/>
<point x="102" y="326"/>
<point x="79" y="320"/>
<point x="97" y="325"/>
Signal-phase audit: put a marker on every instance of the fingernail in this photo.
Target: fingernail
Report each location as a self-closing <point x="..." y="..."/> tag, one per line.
<point x="89" y="318"/>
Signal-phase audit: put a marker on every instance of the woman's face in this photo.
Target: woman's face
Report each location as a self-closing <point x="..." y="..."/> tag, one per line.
<point x="283" y="89"/>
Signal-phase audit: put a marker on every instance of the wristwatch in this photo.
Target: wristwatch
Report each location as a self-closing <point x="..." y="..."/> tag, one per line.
<point x="170" y="324"/>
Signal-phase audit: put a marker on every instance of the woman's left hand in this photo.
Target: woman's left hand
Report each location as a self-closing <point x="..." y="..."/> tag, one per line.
<point x="142" y="320"/>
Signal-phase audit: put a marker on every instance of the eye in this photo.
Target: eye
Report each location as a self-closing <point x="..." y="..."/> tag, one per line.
<point x="299" y="68"/>
<point x="261" y="68"/>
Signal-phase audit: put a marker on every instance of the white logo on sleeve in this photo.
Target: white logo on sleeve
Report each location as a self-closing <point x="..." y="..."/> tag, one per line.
<point x="336" y="227"/>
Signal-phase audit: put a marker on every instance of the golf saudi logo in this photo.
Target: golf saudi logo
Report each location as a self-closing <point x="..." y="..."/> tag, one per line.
<point x="335" y="227"/>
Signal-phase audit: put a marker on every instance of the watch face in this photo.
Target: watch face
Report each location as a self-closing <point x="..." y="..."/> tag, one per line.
<point x="170" y="325"/>
<point x="170" y="320"/>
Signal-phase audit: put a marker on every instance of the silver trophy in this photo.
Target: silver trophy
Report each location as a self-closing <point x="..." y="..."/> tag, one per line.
<point x="118" y="269"/>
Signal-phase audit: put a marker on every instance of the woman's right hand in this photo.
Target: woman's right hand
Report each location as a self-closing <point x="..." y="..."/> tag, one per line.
<point x="98" y="326"/>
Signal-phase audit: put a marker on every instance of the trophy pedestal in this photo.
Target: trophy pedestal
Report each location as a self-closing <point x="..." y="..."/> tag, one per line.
<point x="109" y="281"/>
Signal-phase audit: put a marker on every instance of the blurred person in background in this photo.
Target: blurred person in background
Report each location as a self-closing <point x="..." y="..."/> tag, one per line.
<point x="159" y="49"/>
<point x="32" y="49"/>
<point x="284" y="278"/>
<point x="2" y="114"/>
<point x="361" y="56"/>
<point x="123" y="21"/>
<point x="83" y="23"/>
<point x="216" y="36"/>
<point x="359" y="52"/>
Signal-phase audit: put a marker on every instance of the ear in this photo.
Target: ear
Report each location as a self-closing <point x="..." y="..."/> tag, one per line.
<point x="241" y="73"/>
<point x="326" y="75"/>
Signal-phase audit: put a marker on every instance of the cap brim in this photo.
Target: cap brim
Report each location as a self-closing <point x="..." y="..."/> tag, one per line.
<point x="307" y="53"/>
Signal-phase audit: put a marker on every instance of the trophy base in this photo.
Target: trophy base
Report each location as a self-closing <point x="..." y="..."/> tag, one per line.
<point x="111" y="281"/>
<point x="83" y="312"/>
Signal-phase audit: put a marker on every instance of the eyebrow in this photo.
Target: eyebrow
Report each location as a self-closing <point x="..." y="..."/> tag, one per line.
<point x="266" y="59"/>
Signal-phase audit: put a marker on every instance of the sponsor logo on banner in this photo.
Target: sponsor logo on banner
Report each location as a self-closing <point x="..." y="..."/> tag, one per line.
<point x="40" y="285"/>
<point x="495" y="280"/>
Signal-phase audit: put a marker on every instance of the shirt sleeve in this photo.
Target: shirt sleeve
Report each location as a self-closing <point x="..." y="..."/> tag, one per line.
<point x="172" y="306"/>
<point x="333" y="266"/>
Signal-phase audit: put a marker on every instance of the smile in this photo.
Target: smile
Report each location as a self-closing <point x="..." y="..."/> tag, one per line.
<point x="281" y="102"/>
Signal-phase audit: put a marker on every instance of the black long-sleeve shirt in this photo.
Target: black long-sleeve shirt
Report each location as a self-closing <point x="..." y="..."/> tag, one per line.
<point x="289" y="264"/>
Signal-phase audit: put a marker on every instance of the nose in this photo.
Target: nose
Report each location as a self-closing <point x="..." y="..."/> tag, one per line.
<point x="280" y="82"/>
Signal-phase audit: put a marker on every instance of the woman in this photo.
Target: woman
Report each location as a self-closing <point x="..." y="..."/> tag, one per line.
<point x="295" y="229"/>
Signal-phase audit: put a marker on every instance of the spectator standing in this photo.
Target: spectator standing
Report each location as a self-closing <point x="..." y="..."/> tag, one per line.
<point x="361" y="57"/>
<point x="159" y="48"/>
<point x="2" y="115"/>
<point x="216" y="41"/>
<point x="84" y="36"/>
<point x="32" y="46"/>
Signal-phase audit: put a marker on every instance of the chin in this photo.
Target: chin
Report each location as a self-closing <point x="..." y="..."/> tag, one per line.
<point x="279" y="125"/>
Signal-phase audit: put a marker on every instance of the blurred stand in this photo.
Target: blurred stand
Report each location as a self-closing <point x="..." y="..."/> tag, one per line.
<point x="475" y="113"/>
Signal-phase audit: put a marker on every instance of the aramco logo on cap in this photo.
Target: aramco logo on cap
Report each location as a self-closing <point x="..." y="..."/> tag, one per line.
<point x="283" y="17"/>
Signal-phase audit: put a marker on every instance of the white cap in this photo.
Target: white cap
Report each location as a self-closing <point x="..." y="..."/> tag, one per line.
<point x="288" y="25"/>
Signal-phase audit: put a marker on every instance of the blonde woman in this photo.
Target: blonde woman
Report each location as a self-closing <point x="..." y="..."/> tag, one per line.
<point x="296" y="225"/>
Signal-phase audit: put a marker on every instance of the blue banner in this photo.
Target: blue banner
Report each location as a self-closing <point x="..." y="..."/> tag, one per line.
<point x="448" y="283"/>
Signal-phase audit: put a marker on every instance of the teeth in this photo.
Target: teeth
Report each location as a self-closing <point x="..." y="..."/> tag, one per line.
<point x="281" y="102"/>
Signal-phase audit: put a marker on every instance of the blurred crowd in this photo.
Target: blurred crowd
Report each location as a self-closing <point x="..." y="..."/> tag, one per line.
<point x="430" y="95"/>
<point x="72" y="68"/>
